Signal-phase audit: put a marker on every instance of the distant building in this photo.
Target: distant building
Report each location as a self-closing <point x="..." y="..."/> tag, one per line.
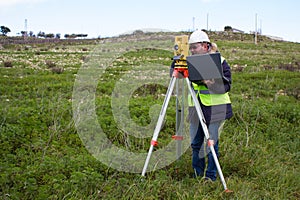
<point x="230" y="29"/>
<point x="274" y="37"/>
<point x="237" y="30"/>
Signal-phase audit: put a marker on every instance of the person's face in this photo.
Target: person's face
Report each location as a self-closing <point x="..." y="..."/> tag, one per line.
<point x="198" y="48"/>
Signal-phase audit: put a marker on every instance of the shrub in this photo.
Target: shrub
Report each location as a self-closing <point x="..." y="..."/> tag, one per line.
<point x="50" y="64"/>
<point x="8" y="64"/>
<point x="57" y="70"/>
<point x="227" y="28"/>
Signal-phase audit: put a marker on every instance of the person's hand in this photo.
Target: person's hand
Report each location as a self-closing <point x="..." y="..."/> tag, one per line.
<point x="209" y="82"/>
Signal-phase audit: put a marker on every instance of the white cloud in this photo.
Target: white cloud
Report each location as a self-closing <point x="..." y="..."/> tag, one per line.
<point x="8" y="3"/>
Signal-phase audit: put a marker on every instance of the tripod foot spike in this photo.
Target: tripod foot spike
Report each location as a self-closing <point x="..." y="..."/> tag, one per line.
<point x="228" y="191"/>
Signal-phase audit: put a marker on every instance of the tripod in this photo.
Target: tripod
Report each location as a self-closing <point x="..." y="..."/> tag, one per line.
<point x="178" y="73"/>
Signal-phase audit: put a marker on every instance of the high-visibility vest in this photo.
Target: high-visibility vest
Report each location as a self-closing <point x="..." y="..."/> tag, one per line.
<point x="206" y="97"/>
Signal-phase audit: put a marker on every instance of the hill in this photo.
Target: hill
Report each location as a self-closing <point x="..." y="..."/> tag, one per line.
<point x="66" y="103"/>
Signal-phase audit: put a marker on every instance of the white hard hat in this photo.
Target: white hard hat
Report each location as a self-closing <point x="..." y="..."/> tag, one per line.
<point x="198" y="36"/>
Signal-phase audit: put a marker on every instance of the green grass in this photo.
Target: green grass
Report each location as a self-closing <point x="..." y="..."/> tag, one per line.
<point x="43" y="157"/>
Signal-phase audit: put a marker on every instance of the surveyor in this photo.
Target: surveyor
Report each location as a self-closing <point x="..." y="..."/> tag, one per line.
<point x="216" y="107"/>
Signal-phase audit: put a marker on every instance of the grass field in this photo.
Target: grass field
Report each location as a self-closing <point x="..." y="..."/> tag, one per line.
<point x="45" y="153"/>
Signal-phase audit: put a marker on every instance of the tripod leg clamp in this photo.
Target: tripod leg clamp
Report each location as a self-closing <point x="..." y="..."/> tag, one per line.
<point x="154" y="143"/>
<point x="210" y="142"/>
<point x="177" y="137"/>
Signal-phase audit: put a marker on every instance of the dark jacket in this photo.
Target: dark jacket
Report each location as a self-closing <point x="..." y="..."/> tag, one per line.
<point x="217" y="112"/>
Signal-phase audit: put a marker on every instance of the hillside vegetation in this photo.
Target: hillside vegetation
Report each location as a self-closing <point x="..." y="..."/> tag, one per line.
<point x="45" y="154"/>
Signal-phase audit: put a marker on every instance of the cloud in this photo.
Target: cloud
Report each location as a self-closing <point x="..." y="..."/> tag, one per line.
<point x="9" y="3"/>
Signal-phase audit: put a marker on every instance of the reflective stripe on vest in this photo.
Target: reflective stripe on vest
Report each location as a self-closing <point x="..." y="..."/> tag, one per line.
<point x="208" y="99"/>
<point x="212" y="99"/>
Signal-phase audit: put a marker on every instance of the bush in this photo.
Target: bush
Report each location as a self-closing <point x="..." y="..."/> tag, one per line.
<point x="57" y="70"/>
<point x="50" y="64"/>
<point x="227" y="28"/>
<point x="8" y="64"/>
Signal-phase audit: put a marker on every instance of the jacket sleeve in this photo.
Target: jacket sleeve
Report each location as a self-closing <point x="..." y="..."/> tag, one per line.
<point x="226" y="76"/>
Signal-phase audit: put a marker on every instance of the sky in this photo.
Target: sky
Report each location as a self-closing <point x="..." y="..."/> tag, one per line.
<point x="106" y="18"/>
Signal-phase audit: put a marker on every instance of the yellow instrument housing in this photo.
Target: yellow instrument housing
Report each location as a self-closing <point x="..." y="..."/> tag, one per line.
<point x="181" y="50"/>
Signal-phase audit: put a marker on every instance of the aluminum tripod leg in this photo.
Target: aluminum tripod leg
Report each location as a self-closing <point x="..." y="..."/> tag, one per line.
<point x="206" y="133"/>
<point x="159" y="122"/>
<point x="179" y="116"/>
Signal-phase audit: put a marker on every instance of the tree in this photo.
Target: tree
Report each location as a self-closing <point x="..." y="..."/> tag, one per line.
<point x="41" y="34"/>
<point x="24" y="33"/>
<point x="81" y="35"/>
<point x="49" y="35"/>
<point x="228" y="28"/>
<point x="4" y="30"/>
<point x="31" y="33"/>
<point x="72" y="36"/>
